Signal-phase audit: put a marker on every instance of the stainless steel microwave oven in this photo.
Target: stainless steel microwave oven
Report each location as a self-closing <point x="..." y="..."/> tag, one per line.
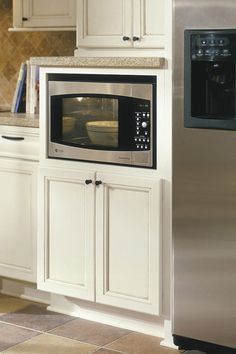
<point x="102" y="118"/>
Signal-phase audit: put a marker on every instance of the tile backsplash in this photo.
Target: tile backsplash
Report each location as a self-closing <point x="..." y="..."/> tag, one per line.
<point x="16" y="47"/>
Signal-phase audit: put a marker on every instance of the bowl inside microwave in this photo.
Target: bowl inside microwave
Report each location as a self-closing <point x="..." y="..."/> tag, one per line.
<point x="103" y="132"/>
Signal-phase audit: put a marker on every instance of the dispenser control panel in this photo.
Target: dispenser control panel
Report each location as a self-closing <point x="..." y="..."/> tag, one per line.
<point x="213" y="45"/>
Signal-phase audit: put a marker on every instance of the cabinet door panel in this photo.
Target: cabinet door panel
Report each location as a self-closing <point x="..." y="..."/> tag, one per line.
<point x="149" y="23"/>
<point x="66" y="201"/>
<point x="103" y="23"/>
<point x="53" y="13"/>
<point x="66" y="254"/>
<point x="17" y="226"/>
<point x="129" y="276"/>
<point x="128" y="237"/>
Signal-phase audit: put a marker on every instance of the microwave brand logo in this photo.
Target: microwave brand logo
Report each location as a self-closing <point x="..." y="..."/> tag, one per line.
<point x="59" y="150"/>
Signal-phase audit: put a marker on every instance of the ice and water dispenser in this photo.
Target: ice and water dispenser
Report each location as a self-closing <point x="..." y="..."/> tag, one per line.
<point x="210" y="82"/>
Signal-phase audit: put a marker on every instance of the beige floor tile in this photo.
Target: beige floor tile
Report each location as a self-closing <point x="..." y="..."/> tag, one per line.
<point x="11" y="304"/>
<point x="12" y="335"/>
<point x="49" y="344"/>
<point x="136" y="343"/>
<point x="36" y="317"/>
<point x="90" y="332"/>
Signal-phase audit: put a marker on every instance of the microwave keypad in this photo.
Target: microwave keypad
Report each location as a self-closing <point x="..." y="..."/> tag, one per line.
<point x="142" y="136"/>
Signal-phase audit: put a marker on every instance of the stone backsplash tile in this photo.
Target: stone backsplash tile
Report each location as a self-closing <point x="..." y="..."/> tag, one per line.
<point x="17" y="47"/>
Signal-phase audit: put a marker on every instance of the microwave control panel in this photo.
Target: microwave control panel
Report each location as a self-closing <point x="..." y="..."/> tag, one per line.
<point x="142" y="127"/>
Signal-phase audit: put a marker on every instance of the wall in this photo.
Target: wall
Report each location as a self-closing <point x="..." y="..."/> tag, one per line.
<point x="16" y="47"/>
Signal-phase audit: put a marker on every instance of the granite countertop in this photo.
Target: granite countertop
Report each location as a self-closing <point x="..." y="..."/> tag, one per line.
<point x="19" y="119"/>
<point x="103" y="62"/>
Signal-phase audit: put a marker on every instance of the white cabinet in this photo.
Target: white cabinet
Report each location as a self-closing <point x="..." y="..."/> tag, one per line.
<point x="18" y="190"/>
<point x="44" y="14"/>
<point x="111" y="218"/>
<point x="121" y="23"/>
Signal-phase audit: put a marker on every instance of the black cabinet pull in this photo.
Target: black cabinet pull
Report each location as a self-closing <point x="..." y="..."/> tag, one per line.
<point x="88" y="181"/>
<point x="15" y="138"/>
<point x="136" y="38"/>
<point x="24" y="19"/>
<point x="98" y="182"/>
<point x="125" y="38"/>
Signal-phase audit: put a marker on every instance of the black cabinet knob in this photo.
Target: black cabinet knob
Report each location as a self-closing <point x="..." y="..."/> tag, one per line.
<point x="88" y="181"/>
<point x="24" y="19"/>
<point x="135" y="39"/>
<point x="98" y="182"/>
<point x="125" y="38"/>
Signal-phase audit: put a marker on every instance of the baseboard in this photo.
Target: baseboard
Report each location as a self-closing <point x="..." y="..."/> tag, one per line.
<point x="168" y="337"/>
<point x="133" y="321"/>
<point x="24" y="290"/>
<point x="151" y="325"/>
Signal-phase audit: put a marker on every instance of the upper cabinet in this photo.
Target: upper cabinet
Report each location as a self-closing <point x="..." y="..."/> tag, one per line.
<point x="44" y="15"/>
<point x="121" y="23"/>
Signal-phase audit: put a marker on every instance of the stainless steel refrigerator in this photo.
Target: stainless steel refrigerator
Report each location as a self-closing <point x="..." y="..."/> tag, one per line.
<point x="204" y="175"/>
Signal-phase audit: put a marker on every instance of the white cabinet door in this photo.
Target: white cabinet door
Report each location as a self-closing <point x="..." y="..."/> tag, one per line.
<point x="66" y="233"/>
<point x="149" y="23"/>
<point x="121" y="23"/>
<point x="18" y="219"/>
<point x="128" y="242"/>
<point x="104" y="23"/>
<point x="44" y="13"/>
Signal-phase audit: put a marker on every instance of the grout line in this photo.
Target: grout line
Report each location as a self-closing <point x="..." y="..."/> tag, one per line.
<point x="125" y="335"/>
<point x="53" y="329"/>
<point x="74" y="340"/>
<point x="16" y="325"/>
<point x="96" y="349"/>
<point x="112" y="350"/>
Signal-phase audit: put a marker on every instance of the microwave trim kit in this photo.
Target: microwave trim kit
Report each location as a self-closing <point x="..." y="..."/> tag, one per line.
<point x="136" y="131"/>
<point x="210" y="79"/>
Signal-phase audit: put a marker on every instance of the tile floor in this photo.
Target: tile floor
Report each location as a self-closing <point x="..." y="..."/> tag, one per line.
<point x="28" y="328"/>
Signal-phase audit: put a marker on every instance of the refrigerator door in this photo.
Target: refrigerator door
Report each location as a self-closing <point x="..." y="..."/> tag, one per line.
<point x="204" y="202"/>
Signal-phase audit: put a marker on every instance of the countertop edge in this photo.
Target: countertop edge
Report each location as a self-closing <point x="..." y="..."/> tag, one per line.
<point x="101" y="62"/>
<point x="19" y="120"/>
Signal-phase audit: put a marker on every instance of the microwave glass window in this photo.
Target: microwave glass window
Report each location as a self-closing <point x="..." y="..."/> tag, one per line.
<point x="90" y="121"/>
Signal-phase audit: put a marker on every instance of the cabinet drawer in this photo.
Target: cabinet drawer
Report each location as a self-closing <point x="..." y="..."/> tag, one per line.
<point x="19" y="142"/>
